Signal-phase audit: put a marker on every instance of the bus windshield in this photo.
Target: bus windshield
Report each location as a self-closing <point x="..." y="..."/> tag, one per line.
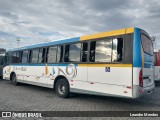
<point x="147" y="44"/>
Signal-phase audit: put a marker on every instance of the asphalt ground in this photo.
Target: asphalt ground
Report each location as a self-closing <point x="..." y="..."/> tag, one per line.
<point x="26" y="97"/>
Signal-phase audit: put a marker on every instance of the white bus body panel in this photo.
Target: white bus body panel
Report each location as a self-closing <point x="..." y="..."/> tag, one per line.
<point x="91" y="80"/>
<point x="114" y="81"/>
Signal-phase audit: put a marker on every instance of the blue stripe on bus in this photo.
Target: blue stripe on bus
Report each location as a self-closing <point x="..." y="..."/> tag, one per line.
<point x="137" y="56"/>
<point x="41" y="64"/>
<point x="148" y="65"/>
<point x="49" y="43"/>
<point x="148" y="58"/>
<point x="148" y="61"/>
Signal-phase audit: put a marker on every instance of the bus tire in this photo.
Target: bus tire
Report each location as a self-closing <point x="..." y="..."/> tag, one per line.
<point x="14" y="79"/>
<point x="62" y="88"/>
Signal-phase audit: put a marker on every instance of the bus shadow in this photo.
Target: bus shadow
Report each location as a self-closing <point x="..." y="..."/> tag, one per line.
<point x="146" y="100"/>
<point x="132" y="102"/>
<point x="143" y="101"/>
<point x="35" y="87"/>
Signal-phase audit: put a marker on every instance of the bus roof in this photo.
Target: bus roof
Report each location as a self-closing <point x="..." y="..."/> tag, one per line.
<point x="82" y="38"/>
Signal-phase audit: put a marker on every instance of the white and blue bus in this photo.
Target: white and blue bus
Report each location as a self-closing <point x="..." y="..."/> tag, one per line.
<point x="115" y="63"/>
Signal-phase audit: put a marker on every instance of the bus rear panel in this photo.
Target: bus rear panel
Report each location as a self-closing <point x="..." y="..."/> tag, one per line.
<point x="143" y="64"/>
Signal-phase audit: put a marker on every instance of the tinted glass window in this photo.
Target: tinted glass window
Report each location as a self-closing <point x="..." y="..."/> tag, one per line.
<point x="84" y="52"/>
<point x="101" y="50"/>
<point x="14" y="57"/>
<point x="41" y="55"/>
<point x="92" y="51"/>
<point x="60" y="54"/>
<point x="66" y="56"/>
<point x="117" y="53"/>
<point x="30" y="56"/>
<point x="34" y="58"/>
<point x="72" y="52"/>
<point x="51" y="54"/>
<point x="147" y="44"/>
<point x="1" y="60"/>
<point x="128" y="49"/>
<point x="5" y="59"/>
<point x="18" y="57"/>
<point x="25" y="56"/>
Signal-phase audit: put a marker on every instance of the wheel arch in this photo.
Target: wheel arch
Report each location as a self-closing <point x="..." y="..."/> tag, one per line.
<point x="58" y="78"/>
<point x="12" y="73"/>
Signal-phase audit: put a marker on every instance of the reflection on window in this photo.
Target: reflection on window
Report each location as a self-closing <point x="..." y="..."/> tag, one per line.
<point x="84" y="52"/>
<point x="34" y="58"/>
<point x="14" y="57"/>
<point x="18" y="57"/>
<point x="60" y="54"/>
<point x="72" y="52"/>
<point x="100" y="51"/>
<point x="92" y="51"/>
<point x="41" y="57"/>
<point x="103" y="51"/>
<point x="51" y="56"/>
<point x="147" y="44"/>
<point x="117" y="53"/>
<point x="8" y="58"/>
<point x="25" y="56"/>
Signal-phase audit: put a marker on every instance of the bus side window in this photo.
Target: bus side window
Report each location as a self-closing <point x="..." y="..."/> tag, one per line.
<point x="72" y="52"/>
<point x="29" y="56"/>
<point x="34" y="58"/>
<point x="92" y="51"/>
<point x="117" y="53"/>
<point x="66" y="56"/>
<point x="18" y="57"/>
<point x="103" y="50"/>
<point x="84" y="52"/>
<point x="25" y="56"/>
<point x="60" y="54"/>
<point x="41" y="57"/>
<point x="9" y="58"/>
<point x="14" y="57"/>
<point x="51" y="54"/>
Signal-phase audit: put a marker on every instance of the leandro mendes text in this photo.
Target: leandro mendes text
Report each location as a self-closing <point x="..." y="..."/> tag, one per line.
<point x="143" y="114"/>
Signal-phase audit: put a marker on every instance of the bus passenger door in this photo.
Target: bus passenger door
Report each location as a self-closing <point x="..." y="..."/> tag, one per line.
<point x="82" y="68"/>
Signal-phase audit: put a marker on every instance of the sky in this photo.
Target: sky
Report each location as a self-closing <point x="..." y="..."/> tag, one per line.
<point x="38" y="21"/>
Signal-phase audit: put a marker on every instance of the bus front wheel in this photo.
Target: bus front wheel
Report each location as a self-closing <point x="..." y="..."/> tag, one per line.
<point x="14" y="79"/>
<point x="62" y="88"/>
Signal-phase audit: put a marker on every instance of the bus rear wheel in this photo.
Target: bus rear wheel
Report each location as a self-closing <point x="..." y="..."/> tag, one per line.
<point x="14" y="79"/>
<point x="62" y="88"/>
